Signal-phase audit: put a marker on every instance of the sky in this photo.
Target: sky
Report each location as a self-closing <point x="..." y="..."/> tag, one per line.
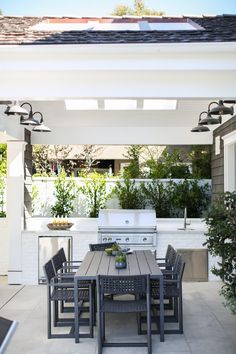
<point x="78" y="8"/>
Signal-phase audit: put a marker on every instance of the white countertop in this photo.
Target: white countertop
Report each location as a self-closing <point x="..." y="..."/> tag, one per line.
<point x="88" y="225"/>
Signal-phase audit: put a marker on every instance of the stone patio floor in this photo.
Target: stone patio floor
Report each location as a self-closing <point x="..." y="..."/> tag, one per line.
<point x="209" y="328"/>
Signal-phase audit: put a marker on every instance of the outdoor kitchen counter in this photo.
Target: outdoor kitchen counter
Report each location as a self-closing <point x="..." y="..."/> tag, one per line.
<point x="85" y="231"/>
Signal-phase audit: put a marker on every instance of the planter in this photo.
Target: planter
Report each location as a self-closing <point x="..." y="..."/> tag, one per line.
<point x="120" y="265"/>
<point x="53" y="226"/>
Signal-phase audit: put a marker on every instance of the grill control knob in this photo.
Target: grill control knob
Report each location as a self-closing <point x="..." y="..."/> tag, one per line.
<point x="144" y="239"/>
<point x="109" y="239"/>
<point x="104" y="239"/>
<point x="127" y="239"/>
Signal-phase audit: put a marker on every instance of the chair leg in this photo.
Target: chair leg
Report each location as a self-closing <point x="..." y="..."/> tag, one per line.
<point x="94" y="303"/>
<point x="149" y="329"/>
<point x="91" y="315"/>
<point x="103" y="327"/>
<point x="176" y="309"/>
<point x="55" y="313"/>
<point x="181" y="329"/>
<point x="139" y="323"/>
<point x="62" y="306"/>
<point x="99" y="332"/>
<point x="49" y="316"/>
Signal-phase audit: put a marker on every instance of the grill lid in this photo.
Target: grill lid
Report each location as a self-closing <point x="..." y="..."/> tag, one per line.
<point x="126" y="218"/>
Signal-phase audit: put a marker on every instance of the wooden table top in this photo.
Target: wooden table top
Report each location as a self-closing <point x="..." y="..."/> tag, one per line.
<point x="98" y="262"/>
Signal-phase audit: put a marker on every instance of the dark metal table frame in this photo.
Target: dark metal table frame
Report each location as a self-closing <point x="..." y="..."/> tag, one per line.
<point x="138" y="263"/>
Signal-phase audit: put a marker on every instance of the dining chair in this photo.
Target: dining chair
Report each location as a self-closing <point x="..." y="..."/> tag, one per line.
<point x="66" y="263"/>
<point x="68" y="273"/>
<point x="59" y="290"/>
<point x="101" y="246"/>
<point x="167" y="264"/>
<point x="173" y="290"/>
<point x="122" y="285"/>
<point x="168" y="260"/>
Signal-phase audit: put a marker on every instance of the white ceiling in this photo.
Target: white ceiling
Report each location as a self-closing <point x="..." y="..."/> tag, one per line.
<point x="186" y="114"/>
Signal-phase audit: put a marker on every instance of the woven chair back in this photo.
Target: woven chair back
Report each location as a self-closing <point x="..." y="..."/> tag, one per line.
<point x="57" y="263"/>
<point x="100" y="246"/>
<point x="119" y="285"/>
<point x="49" y="271"/>
<point x="62" y="255"/>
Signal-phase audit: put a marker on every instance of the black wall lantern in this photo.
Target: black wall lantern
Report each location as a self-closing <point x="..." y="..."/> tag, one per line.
<point x="219" y="109"/>
<point x="26" y="116"/>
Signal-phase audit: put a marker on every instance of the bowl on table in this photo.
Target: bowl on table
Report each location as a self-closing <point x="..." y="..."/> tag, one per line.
<point x="108" y="251"/>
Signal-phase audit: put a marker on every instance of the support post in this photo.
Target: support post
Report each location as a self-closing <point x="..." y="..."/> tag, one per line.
<point x="15" y="208"/>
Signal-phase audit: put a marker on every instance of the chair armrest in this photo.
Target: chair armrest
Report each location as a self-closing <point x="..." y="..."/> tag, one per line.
<point x="60" y="272"/>
<point x="162" y="264"/>
<point x="161" y="259"/>
<point x="168" y="272"/>
<point x="71" y="262"/>
<point x="57" y="282"/>
<point x="171" y="281"/>
<point x="69" y="267"/>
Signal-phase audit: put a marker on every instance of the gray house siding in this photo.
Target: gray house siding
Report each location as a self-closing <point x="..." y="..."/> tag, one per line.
<point x="217" y="165"/>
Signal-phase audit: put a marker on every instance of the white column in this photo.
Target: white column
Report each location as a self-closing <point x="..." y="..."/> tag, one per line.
<point x="15" y="207"/>
<point x="230" y="161"/>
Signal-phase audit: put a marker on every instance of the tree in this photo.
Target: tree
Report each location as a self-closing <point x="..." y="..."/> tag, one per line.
<point x="139" y="9"/>
<point x="133" y="154"/>
<point x="41" y="161"/>
<point x="44" y="156"/>
<point x="168" y="165"/>
<point x="201" y="161"/>
<point x="89" y="155"/>
<point x="1" y="12"/>
<point x="122" y="10"/>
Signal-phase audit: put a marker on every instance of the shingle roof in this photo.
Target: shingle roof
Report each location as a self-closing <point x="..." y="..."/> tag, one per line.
<point x="17" y="30"/>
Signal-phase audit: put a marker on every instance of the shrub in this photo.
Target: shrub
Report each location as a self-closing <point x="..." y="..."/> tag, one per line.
<point x="130" y="196"/>
<point x="2" y="196"/>
<point x="221" y="241"/>
<point x="191" y="195"/>
<point x="65" y="193"/>
<point x="158" y="197"/>
<point x="95" y="191"/>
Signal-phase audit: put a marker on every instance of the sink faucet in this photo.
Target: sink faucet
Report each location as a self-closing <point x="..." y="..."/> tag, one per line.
<point x="185" y="218"/>
<point x="185" y="221"/>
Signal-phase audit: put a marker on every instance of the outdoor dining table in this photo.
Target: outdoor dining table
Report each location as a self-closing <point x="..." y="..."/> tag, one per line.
<point x="138" y="263"/>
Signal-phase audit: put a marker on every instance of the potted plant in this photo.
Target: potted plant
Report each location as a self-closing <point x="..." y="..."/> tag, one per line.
<point x="221" y="241"/>
<point x="115" y="249"/>
<point x="120" y="261"/>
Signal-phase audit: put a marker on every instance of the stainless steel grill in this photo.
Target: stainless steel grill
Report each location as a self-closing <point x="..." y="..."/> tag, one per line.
<point x="127" y="226"/>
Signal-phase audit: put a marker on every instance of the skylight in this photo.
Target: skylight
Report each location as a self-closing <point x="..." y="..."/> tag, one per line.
<point x="127" y="24"/>
<point x="154" y="104"/>
<point x="87" y="104"/>
<point x="120" y="104"/>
